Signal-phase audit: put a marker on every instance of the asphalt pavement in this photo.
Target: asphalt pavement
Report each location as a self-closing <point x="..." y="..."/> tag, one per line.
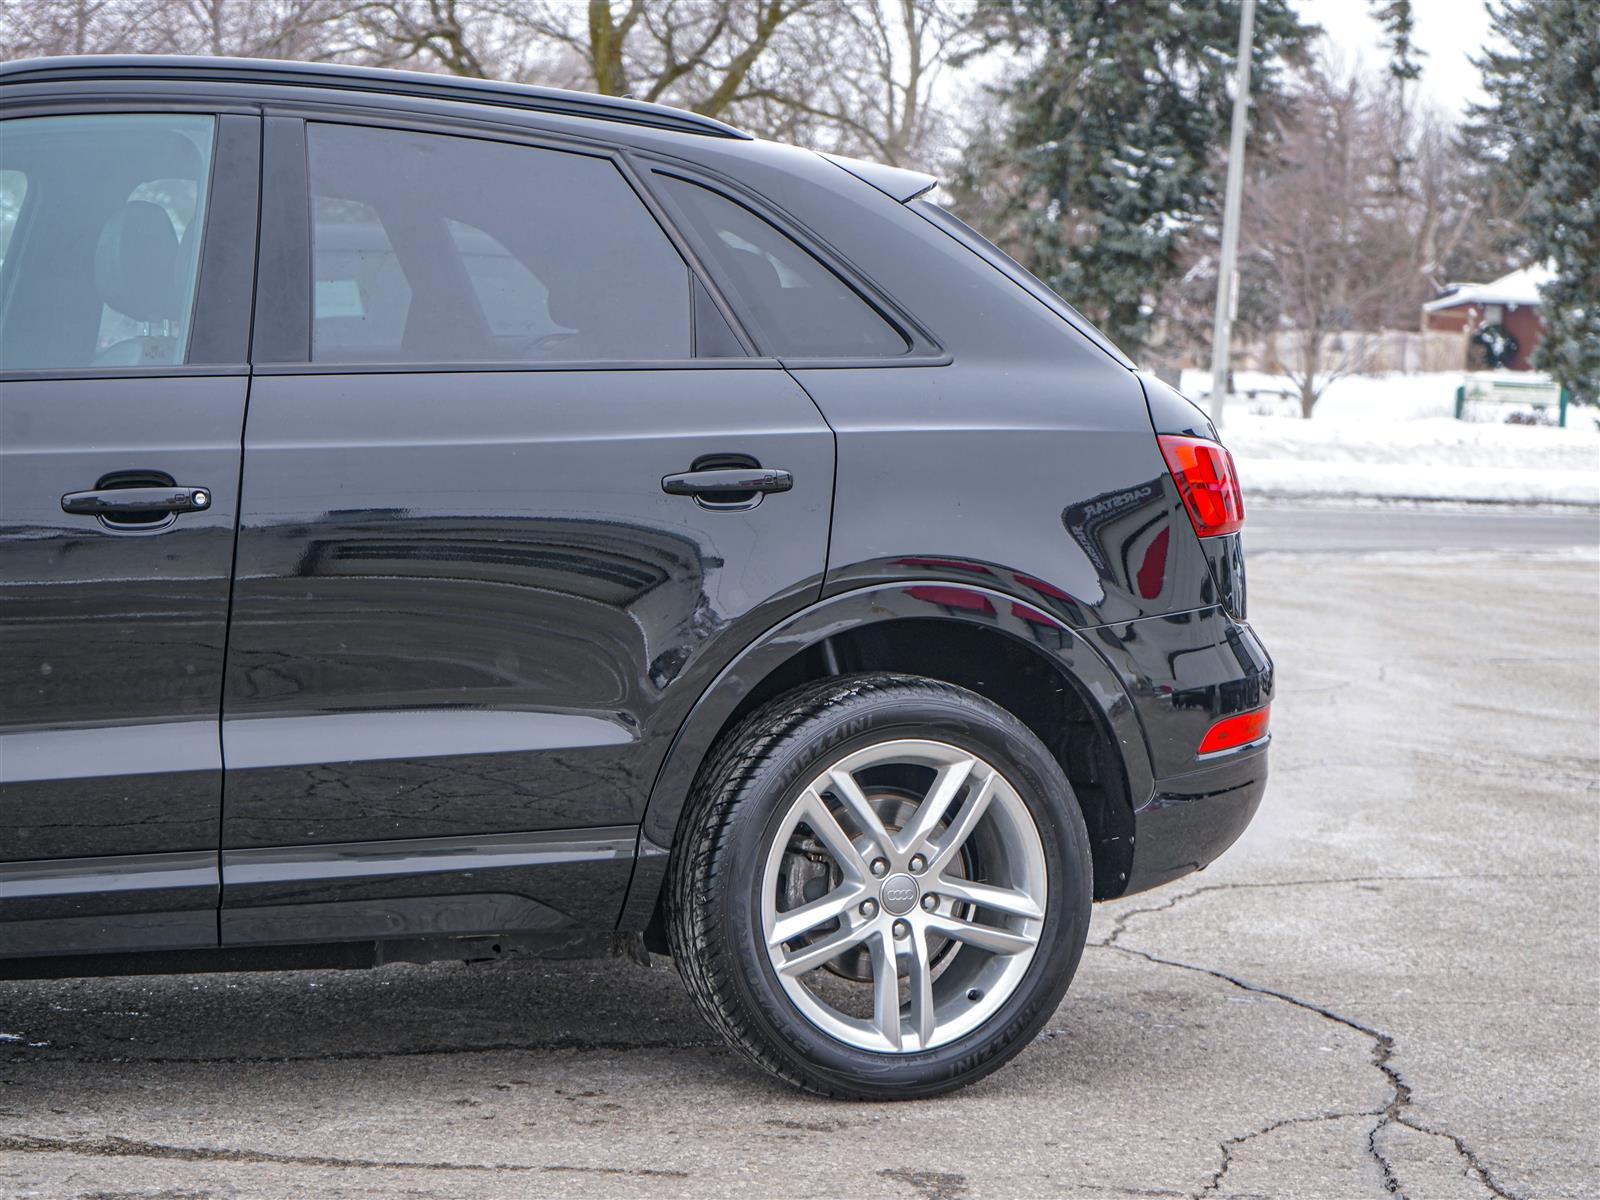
<point x="1391" y="985"/>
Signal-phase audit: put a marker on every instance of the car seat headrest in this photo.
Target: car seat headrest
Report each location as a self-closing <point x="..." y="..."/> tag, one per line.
<point x="136" y="262"/>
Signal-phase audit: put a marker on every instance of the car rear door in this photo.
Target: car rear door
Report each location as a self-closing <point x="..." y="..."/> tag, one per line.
<point x="127" y="247"/>
<point x="474" y="597"/>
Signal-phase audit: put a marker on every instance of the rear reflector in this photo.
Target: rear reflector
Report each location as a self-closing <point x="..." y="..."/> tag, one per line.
<point x="1236" y="731"/>
<point x="1207" y="481"/>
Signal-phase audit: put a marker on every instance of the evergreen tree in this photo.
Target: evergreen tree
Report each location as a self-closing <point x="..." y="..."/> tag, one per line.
<point x="1541" y="131"/>
<point x="1103" y="152"/>
<point x="1399" y="24"/>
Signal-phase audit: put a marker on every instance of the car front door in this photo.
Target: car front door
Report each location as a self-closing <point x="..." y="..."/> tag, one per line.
<point x="512" y="488"/>
<point x="127" y="244"/>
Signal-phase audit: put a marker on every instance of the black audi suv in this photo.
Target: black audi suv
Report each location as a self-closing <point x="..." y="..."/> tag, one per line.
<point x="444" y="519"/>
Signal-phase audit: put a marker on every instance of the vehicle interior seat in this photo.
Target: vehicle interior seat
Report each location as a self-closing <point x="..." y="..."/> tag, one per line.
<point x="137" y="263"/>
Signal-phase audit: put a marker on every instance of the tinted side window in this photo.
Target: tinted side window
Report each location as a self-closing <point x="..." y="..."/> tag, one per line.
<point x="100" y="224"/>
<point x="360" y="295"/>
<point x="793" y="304"/>
<point x="433" y="248"/>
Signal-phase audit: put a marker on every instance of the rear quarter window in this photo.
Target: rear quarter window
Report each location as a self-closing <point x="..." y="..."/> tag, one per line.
<point x="793" y="304"/>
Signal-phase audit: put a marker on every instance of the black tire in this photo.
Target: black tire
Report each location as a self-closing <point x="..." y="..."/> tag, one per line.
<point x="752" y="776"/>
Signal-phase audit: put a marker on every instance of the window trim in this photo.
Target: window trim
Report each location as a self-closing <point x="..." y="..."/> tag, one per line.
<point x="168" y="371"/>
<point x="221" y="312"/>
<point x="286" y="249"/>
<point x="518" y="367"/>
<point x="922" y="348"/>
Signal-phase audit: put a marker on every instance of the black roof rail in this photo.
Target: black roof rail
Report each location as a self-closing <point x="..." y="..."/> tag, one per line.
<point x="284" y="73"/>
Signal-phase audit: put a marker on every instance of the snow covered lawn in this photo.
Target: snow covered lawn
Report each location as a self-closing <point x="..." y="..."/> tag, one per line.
<point x="1395" y="436"/>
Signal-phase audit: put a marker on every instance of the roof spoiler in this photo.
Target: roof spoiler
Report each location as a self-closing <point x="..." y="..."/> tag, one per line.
<point x="897" y="183"/>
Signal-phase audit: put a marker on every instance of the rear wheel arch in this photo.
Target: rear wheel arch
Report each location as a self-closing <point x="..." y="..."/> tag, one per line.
<point x="1002" y="648"/>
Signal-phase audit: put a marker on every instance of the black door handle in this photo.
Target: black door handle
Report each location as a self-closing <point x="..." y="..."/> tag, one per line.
<point x="727" y="483"/>
<point x="136" y="501"/>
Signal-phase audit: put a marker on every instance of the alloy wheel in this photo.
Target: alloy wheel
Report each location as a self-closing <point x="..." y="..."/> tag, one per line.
<point x="903" y="895"/>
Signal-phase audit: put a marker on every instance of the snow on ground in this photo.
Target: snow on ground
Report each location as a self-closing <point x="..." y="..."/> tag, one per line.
<point x="1395" y="436"/>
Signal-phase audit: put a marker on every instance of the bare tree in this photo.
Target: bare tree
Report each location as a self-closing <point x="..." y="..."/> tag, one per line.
<point x="259" y="29"/>
<point x="481" y="39"/>
<point x="74" y="27"/>
<point x="1421" y="209"/>
<point x="694" y="53"/>
<point x="697" y="54"/>
<point x="862" y="78"/>
<point x="856" y="76"/>
<point x="247" y="28"/>
<point x="1309" y="222"/>
<point x="1438" y="214"/>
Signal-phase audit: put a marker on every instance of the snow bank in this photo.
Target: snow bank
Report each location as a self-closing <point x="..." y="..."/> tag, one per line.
<point x="1394" y="436"/>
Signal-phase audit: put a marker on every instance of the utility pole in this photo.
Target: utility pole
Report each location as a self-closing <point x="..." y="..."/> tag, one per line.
<point x="1227" y="275"/>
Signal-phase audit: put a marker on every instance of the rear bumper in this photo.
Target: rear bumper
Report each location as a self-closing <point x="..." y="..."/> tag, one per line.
<point x="1192" y="818"/>
<point x="1183" y="673"/>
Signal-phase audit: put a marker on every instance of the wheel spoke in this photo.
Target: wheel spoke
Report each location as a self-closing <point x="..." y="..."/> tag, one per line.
<point x="844" y="786"/>
<point x="814" y="812"/>
<point x="964" y="823"/>
<point x="919" y="982"/>
<point x="1001" y="900"/>
<point x="984" y="937"/>
<point x="946" y="786"/>
<point x="819" y="952"/>
<point x="795" y="921"/>
<point x="886" y="989"/>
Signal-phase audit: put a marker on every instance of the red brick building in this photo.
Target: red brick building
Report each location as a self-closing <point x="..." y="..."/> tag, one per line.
<point x="1511" y="301"/>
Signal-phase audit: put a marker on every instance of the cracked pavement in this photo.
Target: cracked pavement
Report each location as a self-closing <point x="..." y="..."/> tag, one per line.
<point x="1391" y="986"/>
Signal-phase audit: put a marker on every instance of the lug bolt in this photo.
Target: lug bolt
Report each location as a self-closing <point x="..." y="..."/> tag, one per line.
<point x="902" y="930"/>
<point x="869" y="908"/>
<point x="930" y="902"/>
<point x="918" y="863"/>
<point x="880" y="866"/>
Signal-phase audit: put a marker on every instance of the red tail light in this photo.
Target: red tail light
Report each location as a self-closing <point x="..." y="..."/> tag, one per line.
<point x="1236" y="731"/>
<point x="1207" y="482"/>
